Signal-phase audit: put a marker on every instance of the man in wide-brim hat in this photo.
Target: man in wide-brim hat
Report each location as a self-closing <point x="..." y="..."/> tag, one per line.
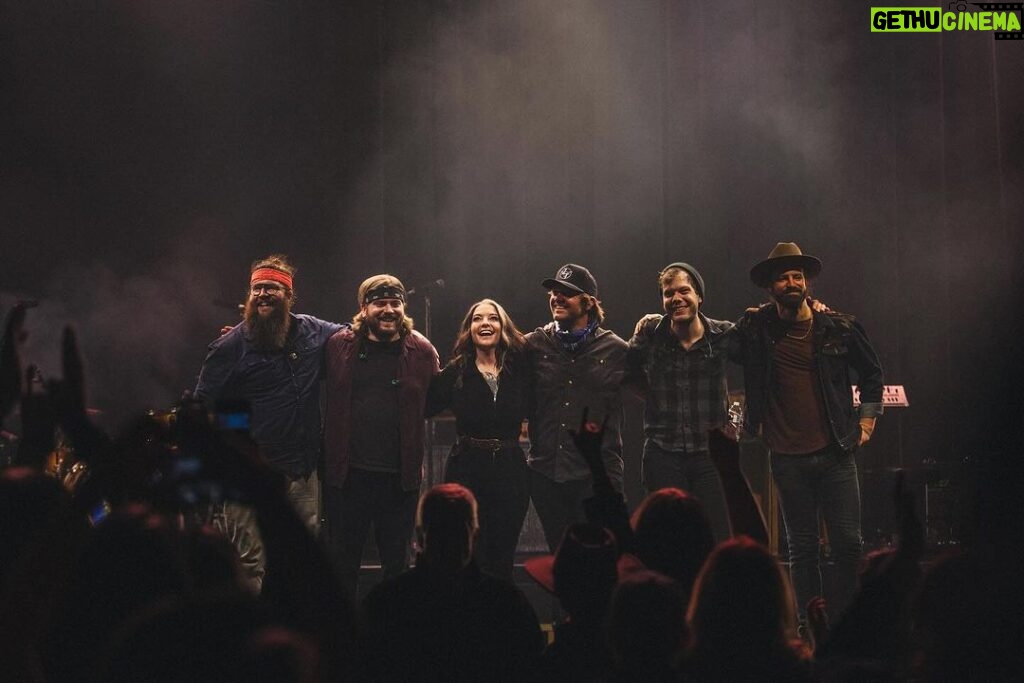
<point x="797" y="365"/>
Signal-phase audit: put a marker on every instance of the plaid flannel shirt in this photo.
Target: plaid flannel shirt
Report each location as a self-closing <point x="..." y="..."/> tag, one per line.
<point x="685" y="389"/>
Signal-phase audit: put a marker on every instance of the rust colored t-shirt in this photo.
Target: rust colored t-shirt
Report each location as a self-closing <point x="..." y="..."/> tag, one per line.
<point x="796" y="422"/>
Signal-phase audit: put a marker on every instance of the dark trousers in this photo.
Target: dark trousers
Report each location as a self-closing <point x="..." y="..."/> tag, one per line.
<point x="558" y="504"/>
<point x="695" y="473"/>
<point x="822" y="483"/>
<point x="369" y="498"/>
<point x="499" y="480"/>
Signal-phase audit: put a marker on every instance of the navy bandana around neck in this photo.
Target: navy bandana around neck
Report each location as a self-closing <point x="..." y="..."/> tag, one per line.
<point x="573" y="339"/>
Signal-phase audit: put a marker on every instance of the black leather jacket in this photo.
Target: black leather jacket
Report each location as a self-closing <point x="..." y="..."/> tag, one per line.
<point x="840" y="344"/>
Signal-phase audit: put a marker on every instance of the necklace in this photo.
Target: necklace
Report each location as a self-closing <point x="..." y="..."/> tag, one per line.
<point x="810" y="324"/>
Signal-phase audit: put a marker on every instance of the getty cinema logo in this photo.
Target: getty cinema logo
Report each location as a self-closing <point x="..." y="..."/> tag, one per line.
<point x="999" y="17"/>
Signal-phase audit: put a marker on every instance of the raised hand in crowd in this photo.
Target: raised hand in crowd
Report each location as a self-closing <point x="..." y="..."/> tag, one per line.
<point x="607" y="507"/>
<point x="10" y="359"/>
<point x="744" y="514"/>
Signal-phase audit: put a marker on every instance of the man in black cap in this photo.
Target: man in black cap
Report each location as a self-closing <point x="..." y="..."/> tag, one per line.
<point x="797" y="365"/>
<point x="577" y="364"/>
<point x="679" y="360"/>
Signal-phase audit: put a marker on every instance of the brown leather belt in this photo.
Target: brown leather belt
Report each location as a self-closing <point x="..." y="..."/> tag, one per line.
<point x="493" y="445"/>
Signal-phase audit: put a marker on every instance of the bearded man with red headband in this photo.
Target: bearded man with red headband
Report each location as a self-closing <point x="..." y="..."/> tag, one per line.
<point x="274" y="361"/>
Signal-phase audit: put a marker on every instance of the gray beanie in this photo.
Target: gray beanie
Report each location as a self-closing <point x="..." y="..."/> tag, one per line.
<point x="695" y="278"/>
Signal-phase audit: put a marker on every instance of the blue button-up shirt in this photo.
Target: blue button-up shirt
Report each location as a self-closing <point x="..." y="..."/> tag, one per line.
<point x="282" y="388"/>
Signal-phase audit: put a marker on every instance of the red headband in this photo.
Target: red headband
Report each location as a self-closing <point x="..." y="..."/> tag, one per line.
<point x="271" y="274"/>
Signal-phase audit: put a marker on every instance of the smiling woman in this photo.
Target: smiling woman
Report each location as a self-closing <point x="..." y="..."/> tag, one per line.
<point x="485" y="386"/>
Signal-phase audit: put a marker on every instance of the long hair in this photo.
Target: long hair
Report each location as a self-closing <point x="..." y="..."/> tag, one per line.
<point x="742" y="603"/>
<point x="511" y="338"/>
<point x="595" y="312"/>
<point x="673" y="535"/>
<point x="373" y="282"/>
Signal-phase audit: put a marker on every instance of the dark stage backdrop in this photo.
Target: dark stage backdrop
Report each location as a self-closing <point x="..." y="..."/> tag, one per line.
<point x="150" y="150"/>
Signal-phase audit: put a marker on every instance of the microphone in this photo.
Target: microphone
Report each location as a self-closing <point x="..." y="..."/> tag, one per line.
<point x="230" y="305"/>
<point x="426" y="288"/>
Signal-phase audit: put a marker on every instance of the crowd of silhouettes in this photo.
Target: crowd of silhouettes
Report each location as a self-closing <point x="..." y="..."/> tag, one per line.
<point x="121" y="577"/>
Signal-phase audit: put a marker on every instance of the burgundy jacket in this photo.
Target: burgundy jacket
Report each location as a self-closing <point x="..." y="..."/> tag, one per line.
<point x="417" y="363"/>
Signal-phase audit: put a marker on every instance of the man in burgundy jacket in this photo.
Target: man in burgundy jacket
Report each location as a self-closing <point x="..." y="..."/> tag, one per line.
<point x="378" y="374"/>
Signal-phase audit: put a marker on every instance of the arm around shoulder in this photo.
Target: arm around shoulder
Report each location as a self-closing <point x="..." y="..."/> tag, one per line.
<point x="868" y="367"/>
<point x="221" y="358"/>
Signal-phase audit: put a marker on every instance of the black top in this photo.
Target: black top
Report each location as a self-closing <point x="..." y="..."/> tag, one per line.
<point x="374" y="440"/>
<point x="478" y="412"/>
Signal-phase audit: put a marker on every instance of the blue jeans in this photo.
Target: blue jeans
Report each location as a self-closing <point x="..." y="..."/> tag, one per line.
<point x="695" y="473"/>
<point x="825" y="483"/>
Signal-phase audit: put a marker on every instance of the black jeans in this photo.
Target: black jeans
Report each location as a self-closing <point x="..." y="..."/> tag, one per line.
<point x="499" y="480"/>
<point x="695" y="474"/>
<point x="558" y="504"/>
<point x="369" y="497"/>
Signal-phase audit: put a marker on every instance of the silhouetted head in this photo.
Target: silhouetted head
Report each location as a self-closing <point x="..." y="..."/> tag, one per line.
<point x="446" y="526"/>
<point x="584" y="571"/>
<point x="672" y="535"/>
<point x="209" y="638"/>
<point x="742" y="602"/>
<point x="29" y="502"/>
<point x="647" y="625"/>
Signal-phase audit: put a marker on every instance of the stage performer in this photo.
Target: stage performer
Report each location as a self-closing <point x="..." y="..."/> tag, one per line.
<point x="378" y="373"/>
<point x="485" y="385"/>
<point x="576" y="364"/>
<point x="273" y="360"/>
<point x="797" y="365"/>
<point x="679" y="362"/>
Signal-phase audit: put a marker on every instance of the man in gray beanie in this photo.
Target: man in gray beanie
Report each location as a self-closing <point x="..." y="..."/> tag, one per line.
<point x="679" y="360"/>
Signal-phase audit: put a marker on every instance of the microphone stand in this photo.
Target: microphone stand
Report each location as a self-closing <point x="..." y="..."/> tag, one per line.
<point x="430" y="435"/>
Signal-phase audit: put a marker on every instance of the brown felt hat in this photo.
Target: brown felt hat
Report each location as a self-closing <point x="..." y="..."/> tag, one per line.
<point x="785" y="256"/>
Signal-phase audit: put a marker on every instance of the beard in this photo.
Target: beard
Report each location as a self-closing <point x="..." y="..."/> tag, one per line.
<point x="270" y="332"/>
<point x="373" y="325"/>
<point x="791" y="298"/>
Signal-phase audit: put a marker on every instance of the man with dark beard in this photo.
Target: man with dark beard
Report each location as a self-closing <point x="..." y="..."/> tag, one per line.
<point x="797" y="365"/>
<point x="378" y="374"/>
<point x="273" y="360"/>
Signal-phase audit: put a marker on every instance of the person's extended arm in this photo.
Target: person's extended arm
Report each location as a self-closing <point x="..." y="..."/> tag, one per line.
<point x="301" y="586"/>
<point x="442" y="386"/>
<point x="606" y="508"/>
<point x="744" y="513"/>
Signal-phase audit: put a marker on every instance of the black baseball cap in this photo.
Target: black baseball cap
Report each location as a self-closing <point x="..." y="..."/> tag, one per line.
<point x="573" y="277"/>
